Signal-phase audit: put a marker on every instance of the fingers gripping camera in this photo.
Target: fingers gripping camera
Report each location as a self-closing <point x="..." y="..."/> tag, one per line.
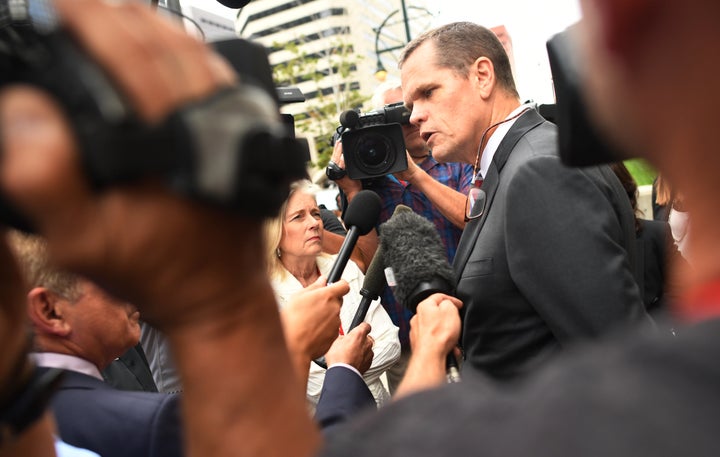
<point x="230" y="149"/>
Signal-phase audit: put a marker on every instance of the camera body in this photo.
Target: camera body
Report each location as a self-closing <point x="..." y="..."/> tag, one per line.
<point x="245" y="163"/>
<point x="373" y="143"/>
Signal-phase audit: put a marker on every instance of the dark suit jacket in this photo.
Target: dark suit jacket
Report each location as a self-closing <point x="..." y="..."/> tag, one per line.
<point x="653" y="243"/>
<point x="344" y="394"/>
<point x="91" y="414"/>
<point x="130" y="371"/>
<point x="547" y="262"/>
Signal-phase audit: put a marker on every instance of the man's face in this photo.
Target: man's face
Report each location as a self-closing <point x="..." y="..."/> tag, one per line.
<point x="445" y="107"/>
<point x="414" y="143"/>
<point x="103" y="327"/>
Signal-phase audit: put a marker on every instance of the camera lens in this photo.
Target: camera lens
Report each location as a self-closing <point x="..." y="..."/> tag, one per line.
<point x="374" y="151"/>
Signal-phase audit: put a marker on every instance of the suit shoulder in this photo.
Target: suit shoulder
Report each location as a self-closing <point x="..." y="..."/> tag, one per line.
<point x="539" y="142"/>
<point x="96" y="398"/>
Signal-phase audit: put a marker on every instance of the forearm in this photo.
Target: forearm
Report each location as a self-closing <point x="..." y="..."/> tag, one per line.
<point x="298" y="356"/>
<point x="434" y="332"/>
<point x="240" y="388"/>
<point x="301" y="366"/>
<point x="36" y="441"/>
<point x="425" y="370"/>
<point x="448" y="201"/>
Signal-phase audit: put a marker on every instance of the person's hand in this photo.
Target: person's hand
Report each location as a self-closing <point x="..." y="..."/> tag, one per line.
<point x="349" y="186"/>
<point x="154" y="62"/>
<point x="412" y="170"/>
<point x="434" y="332"/>
<point x="435" y="328"/>
<point x="311" y="318"/>
<point x="121" y="237"/>
<point x="355" y="349"/>
<point x="196" y="272"/>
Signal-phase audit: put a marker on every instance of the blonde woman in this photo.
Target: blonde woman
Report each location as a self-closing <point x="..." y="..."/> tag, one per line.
<point x="295" y="260"/>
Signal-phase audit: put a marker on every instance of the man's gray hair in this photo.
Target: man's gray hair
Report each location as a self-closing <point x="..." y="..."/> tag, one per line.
<point x="387" y="85"/>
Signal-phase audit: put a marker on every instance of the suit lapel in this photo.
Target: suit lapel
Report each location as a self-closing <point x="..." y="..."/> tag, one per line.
<point x="524" y="124"/>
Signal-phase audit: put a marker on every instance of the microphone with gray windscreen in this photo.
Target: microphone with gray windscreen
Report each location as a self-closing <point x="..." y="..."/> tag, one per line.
<point x="374" y="282"/>
<point x="417" y="265"/>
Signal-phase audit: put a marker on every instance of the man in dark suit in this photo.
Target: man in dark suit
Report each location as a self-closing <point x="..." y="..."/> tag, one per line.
<point x="80" y="329"/>
<point x="543" y="260"/>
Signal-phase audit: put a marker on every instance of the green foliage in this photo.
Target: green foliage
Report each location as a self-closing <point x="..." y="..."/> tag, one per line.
<point x="641" y="171"/>
<point x="332" y="72"/>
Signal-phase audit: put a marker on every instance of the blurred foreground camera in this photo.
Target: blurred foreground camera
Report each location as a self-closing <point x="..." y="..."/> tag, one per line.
<point x="231" y="149"/>
<point x="373" y="143"/>
<point x="580" y="143"/>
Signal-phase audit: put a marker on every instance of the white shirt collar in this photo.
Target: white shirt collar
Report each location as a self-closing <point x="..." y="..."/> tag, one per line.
<point x="290" y="285"/>
<point x="66" y="362"/>
<point x="495" y="139"/>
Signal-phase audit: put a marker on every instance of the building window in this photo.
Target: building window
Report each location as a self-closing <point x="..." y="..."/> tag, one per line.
<point x="298" y="22"/>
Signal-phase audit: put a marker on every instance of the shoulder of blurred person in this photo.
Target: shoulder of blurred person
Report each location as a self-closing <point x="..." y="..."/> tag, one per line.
<point x="81" y="329"/>
<point x="95" y="416"/>
<point x="622" y="397"/>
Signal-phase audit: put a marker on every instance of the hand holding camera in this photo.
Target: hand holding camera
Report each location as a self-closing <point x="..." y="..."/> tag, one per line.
<point x="124" y="233"/>
<point x="130" y="119"/>
<point x="373" y="143"/>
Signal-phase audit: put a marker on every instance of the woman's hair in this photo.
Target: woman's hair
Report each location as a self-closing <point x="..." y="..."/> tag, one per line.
<point x="31" y="254"/>
<point x="664" y="194"/>
<point x="273" y="229"/>
<point x="459" y="44"/>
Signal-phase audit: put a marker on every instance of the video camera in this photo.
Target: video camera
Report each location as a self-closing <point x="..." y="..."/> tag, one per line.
<point x="245" y="163"/>
<point x="373" y="143"/>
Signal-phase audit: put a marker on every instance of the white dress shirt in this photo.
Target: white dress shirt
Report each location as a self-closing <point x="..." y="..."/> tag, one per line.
<point x="66" y="362"/>
<point x="497" y="137"/>
<point x="384" y="332"/>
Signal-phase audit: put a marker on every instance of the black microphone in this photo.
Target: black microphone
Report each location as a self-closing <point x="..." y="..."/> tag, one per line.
<point x="361" y="216"/>
<point x="374" y="282"/>
<point x="234" y="4"/>
<point x="417" y="265"/>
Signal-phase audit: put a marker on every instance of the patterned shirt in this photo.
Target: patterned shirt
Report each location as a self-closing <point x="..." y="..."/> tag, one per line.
<point x="393" y="192"/>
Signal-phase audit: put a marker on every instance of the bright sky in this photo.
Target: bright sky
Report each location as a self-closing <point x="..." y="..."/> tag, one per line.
<point x="212" y="6"/>
<point x="529" y="22"/>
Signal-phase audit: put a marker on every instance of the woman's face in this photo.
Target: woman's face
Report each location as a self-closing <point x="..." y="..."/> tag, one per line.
<point x="302" y="227"/>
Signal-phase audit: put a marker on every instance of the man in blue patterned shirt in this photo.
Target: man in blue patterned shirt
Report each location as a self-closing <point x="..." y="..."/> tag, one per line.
<point x="434" y="190"/>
